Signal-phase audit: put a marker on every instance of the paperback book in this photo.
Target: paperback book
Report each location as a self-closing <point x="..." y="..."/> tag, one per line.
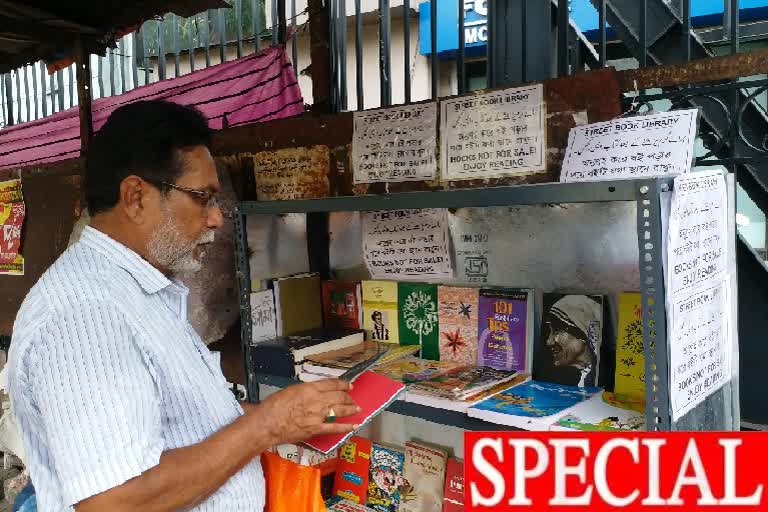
<point x="413" y="369"/>
<point x="451" y="404"/>
<point x="342" y="304"/>
<point x="457" y="310"/>
<point x="336" y="362"/>
<point x="386" y="481"/>
<point x="629" y="382"/>
<point x="503" y="329"/>
<point x="298" y="305"/>
<point x="453" y="494"/>
<point x="380" y="314"/>
<point x="595" y="415"/>
<point x="417" y="304"/>
<point x="263" y="325"/>
<point x="351" y="479"/>
<point x="462" y="383"/>
<point x="424" y="470"/>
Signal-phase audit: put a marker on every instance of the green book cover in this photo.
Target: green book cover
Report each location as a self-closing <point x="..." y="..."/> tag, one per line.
<point x="418" y="319"/>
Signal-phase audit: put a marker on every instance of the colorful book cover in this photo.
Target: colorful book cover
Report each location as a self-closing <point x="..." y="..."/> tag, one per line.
<point x="263" y="325"/>
<point x="418" y="317"/>
<point x="453" y="493"/>
<point x="380" y="315"/>
<point x="630" y="363"/>
<point x="341" y="306"/>
<point x="457" y="317"/>
<point x="412" y="369"/>
<point x="503" y="329"/>
<point x="535" y="399"/>
<point x="462" y="382"/>
<point x="338" y="504"/>
<point x="351" y="481"/>
<point x="424" y="469"/>
<point x="571" y="339"/>
<point x="595" y="415"/>
<point x="347" y="358"/>
<point x="386" y="480"/>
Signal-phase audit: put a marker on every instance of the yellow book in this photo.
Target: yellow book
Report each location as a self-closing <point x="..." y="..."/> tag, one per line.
<point x="380" y="311"/>
<point x="630" y="363"/>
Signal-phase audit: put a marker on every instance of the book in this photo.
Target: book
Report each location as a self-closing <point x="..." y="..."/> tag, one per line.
<point x="373" y="393"/>
<point x="351" y="480"/>
<point x="571" y="340"/>
<point x="424" y="469"/>
<point x="336" y="362"/>
<point x="457" y="310"/>
<point x="385" y="480"/>
<point x="417" y="304"/>
<point x="459" y="405"/>
<point x="412" y="369"/>
<point x="461" y="383"/>
<point x="453" y="493"/>
<point x="503" y="329"/>
<point x="263" y="316"/>
<point x="281" y="355"/>
<point x="380" y="315"/>
<point x="298" y="303"/>
<point x="629" y="382"/>
<point x="595" y="415"/>
<point x="342" y="304"/>
<point x="338" y="504"/>
<point x="532" y="405"/>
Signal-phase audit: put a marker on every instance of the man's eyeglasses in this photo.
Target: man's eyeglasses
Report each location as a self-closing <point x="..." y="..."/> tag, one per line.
<point x="208" y="199"/>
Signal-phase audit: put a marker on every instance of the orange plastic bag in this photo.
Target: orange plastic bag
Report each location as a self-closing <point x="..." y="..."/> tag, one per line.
<point x="290" y="486"/>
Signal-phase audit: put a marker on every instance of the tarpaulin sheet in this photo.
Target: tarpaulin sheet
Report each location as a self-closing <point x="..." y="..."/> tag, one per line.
<point x="257" y="88"/>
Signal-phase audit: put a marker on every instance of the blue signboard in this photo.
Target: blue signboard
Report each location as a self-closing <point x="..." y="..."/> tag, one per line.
<point x="703" y="13"/>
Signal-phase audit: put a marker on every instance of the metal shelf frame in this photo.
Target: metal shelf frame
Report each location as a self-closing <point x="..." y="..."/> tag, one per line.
<point x="645" y="192"/>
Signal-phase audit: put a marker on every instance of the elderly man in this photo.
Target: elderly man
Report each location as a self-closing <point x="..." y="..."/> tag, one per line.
<point x="120" y="404"/>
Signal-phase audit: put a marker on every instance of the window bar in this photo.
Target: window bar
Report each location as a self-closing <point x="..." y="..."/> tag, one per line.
<point x="239" y="27"/>
<point x="207" y="37"/>
<point x="35" y="98"/>
<point x="385" y="68"/>
<point x="7" y="99"/>
<point x="643" y="33"/>
<point x="687" y="30"/>
<point x="112" y="88"/>
<point x="294" y="49"/>
<point x="334" y="58"/>
<point x="144" y="56"/>
<point x="18" y="97"/>
<point x="603" y="33"/>
<point x="222" y="35"/>
<point x="43" y="90"/>
<point x="359" y="58"/>
<point x="256" y="17"/>
<point x="174" y="21"/>
<point x="734" y="27"/>
<point x="121" y="58"/>
<point x="342" y="38"/>
<point x="60" y="90"/>
<point x="191" y="41"/>
<point x="282" y="28"/>
<point x="134" y="56"/>
<point x="275" y="23"/>
<point x="2" y="101"/>
<point x="407" y="49"/>
<point x="460" y="64"/>
<point x="27" y="116"/>
<point x="71" y="81"/>
<point x="54" y="96"/>
<point x="160" y="51"/>
<point x="433" y="48"/>
<point x="490" y="46"/>
<point x="563" y="64"/>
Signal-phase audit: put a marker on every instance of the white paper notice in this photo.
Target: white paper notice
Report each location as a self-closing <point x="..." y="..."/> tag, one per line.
<point x="395" y="144"/>
<point x="634" y="147"/>
<point x="698" y="290"/>
<point x="407" y="244"/>
<point x="494" y="134"/>
<point x="263" y="325"/>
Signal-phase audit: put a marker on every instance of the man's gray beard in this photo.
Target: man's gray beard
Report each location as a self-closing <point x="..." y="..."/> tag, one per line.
<point x="169" y="249"/>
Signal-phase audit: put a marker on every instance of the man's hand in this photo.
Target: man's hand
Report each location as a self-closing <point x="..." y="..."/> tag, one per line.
<point x="299" y="412"/>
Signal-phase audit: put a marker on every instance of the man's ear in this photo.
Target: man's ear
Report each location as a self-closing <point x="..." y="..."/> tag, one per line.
<point x="134" y="194"/>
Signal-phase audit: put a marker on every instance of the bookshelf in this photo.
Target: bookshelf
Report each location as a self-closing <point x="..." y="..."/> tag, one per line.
<point x="646" y="193"/>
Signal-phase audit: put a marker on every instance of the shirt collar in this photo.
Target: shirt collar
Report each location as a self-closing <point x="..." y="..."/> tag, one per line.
<point x="148" y="277"/>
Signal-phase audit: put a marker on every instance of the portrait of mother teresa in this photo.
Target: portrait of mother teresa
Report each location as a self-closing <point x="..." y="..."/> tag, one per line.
<point x="572" y="333"/>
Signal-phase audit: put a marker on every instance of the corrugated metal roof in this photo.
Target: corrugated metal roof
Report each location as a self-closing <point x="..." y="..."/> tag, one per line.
<point x="32" y="30"/>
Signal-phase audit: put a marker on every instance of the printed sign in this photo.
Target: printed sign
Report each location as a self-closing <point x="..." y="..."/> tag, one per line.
<point x="395" y="144"/>
<point x="634" y="147"/>
<point x="494" y="134"/>
<point x="292" y="173"/>
<point x="698" y="290"/>
<point x="407" y="244"/>
<point x="12" y="212"/>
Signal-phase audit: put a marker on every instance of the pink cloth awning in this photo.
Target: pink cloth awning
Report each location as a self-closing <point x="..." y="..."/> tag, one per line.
<point x="257" y="88"/>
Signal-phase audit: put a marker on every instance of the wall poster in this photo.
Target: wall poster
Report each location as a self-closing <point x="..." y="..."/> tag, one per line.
<point x="12" y="212"/>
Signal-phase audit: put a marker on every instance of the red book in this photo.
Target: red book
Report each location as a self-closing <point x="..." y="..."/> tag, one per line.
<point x="371" y="391"/>
<point x="351" y="481"/>
<point x="453" y="495"/>
<point x="341" y="304"/>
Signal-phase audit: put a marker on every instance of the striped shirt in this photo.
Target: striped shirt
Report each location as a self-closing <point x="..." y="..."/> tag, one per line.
<point x="106" y="373"/>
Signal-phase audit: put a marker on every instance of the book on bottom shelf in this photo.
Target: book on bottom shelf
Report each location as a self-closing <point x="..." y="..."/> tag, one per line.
<point x="339" y="504"/>
<point x="424" y="470"/>
<point x="351" y="479"/>
<point x="385" y="480"/>
<point x="453" y="493"/>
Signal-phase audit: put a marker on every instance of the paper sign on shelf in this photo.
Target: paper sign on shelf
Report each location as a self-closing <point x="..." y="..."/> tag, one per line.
<point x="395" y="144"/>
<point x="632" y="147"/>
<point x="12" y="212"/>
<point x="407" y="244"/>
<point x="698" y="290"/>
<point x="494" y="134"/>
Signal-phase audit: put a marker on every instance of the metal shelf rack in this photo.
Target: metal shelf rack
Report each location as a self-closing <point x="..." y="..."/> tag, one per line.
<point x="646" y="193"/>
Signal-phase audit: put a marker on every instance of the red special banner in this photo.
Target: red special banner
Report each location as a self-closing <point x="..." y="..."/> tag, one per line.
<point x="571" y="472"/>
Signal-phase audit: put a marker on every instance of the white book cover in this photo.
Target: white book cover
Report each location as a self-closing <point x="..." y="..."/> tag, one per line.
<point x="263" y="316"/>
<point x="597" y="415"/>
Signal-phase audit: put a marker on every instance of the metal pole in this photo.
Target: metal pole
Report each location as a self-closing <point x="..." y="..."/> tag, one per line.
<point x="256" y="16"/>
<point x="160" y="50"/>
<point x="239" y="26"/>
<point x="734" y="20"/>
<point x="175" y="36"/>
<point x="341" y="35"/>
<point x="191" y="42"/>
<point x="433" y="48"/>
<point x="562" y="38"/>
<point x="603" y="35"/>
<point x="9" y="98"/>
<point x="359" y="57"/>
<point x="222" y="36"/>
<point x="385" y="69"/>
<point x="43" y="90"/>
<point x="643" y="33"/>
<point x="294" y="50"/>
<point x="460" y="58"/>
<point x="687" y="30"/>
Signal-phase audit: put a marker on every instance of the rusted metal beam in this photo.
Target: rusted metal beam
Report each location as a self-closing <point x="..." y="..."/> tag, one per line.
<point x="319" y="54"/>
<point x="84" y="100"/>
<point x="701" y="70"/>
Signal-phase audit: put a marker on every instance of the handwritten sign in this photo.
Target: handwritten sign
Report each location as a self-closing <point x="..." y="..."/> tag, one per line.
<point x="635" y="147"/>
<point x="395" y="144"/>
<point x="12" y="212"/>
<point x="292" y="173"/>
<point x="698" y="290"/>
<point x="407" y="244"/>
<point x="494" y="134"/>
